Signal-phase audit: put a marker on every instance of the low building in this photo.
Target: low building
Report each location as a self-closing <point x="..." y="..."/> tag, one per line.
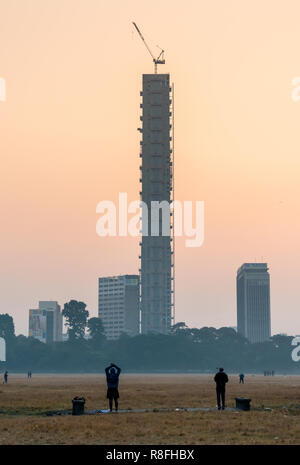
<point x="65" y="337"/>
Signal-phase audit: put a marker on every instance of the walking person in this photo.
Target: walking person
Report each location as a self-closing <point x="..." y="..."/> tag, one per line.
<point x="5" y="376"/>
<point x="112" y="379"/>
<point x="242" y="376"/>
<point x="221" y="379"/>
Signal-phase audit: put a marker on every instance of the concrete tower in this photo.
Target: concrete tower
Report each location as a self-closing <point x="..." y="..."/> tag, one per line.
<point x="157" y="251"/>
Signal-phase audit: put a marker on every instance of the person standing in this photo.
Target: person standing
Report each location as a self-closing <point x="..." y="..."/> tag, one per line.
<point x="242" y="376"/>
<point x="5" y="376"/>
<point x="112" y="380"/>
<point x="221" y="379"/>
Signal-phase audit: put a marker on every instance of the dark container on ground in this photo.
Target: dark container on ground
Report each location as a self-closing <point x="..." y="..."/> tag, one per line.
<point x="78" y="405"/>
<point x="242" y="403"/>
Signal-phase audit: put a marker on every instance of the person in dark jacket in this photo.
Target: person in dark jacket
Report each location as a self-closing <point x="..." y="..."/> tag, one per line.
<point x="221" y="379"/>
<point x="112" y="379"/>
<point x="5" y="377"/>
<point x="242" y="376"/>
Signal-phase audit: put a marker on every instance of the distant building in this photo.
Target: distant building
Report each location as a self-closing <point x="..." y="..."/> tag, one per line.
<point x="118" y="305"/>
<point x="253" y="302"/>
<point x="2" y="350"/>
<point x="45" y="323"/>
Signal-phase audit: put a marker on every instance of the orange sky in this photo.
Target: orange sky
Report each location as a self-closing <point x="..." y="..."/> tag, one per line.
<point x="69" y="139"/>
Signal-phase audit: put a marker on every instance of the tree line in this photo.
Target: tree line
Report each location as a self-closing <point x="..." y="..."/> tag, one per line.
<point x="183" y="350"/>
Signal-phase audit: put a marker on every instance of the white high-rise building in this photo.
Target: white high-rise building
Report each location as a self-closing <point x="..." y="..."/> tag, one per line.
<point x="2" y="350"/>
<point x="253" y="302"/>
<point x="118" y="305"/>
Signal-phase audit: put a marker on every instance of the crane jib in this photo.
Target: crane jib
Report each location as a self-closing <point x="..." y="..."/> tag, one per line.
<point x="157" y="60"/>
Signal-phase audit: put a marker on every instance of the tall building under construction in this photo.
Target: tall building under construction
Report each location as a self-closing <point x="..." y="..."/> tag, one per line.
<point x="157" y="251"/>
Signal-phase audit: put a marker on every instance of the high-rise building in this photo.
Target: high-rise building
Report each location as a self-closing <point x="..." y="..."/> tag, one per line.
<point x="157" y="251"/>
<point x="45" y="323"/>
<point x="118" y="305"/>
<point x="54" y="319"/>
<point x="253" y="302"/>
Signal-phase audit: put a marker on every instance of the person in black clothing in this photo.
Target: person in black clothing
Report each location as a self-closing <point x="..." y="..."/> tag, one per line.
<point x="112" y="379"/>
<point x="5" y="377"/>
<point x="221" y="379"/>
<point x="242" y="376"/>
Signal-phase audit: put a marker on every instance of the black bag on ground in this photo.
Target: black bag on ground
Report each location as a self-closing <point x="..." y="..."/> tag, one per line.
<point x="78" y="405"/>
<point x="242" y="403"/>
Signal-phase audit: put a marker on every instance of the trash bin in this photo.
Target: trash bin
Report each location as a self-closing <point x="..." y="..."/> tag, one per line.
<point x="242" y="403"/>
<point x="78" y="405"/>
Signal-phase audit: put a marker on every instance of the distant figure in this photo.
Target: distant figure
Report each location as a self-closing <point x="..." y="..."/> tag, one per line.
<point x="221" y="379"/>
<point x="112" y="379"/>
<point x="5" y="377"/>
<point x="29" y="374"/>
<point x="242" y="376"/>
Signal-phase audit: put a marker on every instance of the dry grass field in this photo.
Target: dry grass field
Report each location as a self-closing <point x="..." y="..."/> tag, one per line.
<point x="25" y="401"/>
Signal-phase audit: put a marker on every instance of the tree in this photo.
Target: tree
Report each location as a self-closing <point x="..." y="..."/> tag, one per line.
<point x="76" y="318"/>
<point x="179" y="328"/>
<point x="7" y="327"/>
<point x="96" y="330"/>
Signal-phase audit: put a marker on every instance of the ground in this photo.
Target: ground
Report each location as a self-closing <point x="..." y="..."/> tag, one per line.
<point x="273" y="419"/>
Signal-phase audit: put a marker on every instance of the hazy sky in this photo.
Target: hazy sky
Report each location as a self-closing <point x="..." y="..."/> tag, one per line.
<point x="69" y="139"/>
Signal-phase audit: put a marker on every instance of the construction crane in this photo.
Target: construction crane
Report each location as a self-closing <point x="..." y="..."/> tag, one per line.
<point x="157" y="61"/>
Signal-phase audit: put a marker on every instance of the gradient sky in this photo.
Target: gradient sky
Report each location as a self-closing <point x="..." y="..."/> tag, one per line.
<point x="69" y="139"/>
